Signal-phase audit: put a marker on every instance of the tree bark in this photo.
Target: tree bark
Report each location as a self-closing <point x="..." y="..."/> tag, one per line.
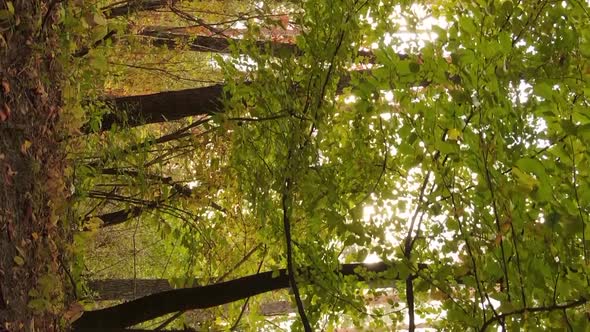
<point x="130" y="289"/>
<point x="132" y="6"/>
<point x="156" y="305"/>
<point x="161" y="36"/>
<point x="171" y="105"/>
<point x="123" y="289"/>
<point x="164" y="106"/>
<point x="174" y="37"/>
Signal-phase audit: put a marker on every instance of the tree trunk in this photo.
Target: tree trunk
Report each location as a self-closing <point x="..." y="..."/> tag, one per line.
<point x="132" y="6"/>
<point x="159" y="304"/>
<point x="164" y="106"/>
<point x="172" y="105"/>
<point x="130" y="289"/>
<point x="161" y="36"/>
<point x="123" y="289"/>
<point x="121" y="329"/>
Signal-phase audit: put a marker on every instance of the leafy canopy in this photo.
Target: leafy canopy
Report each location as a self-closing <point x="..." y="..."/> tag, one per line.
<point x="469" y="149"/>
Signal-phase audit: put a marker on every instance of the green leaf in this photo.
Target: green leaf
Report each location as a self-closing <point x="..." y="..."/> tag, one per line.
<point x="466" y="23"/>
<point x="526" y="183"/>
<point x="38" y="304"/>
<point x="99" y="19"/>
<point x="506" y="8"/>
<point x="568" y="127"/>
<point x="543" y="184"/>
<point x="506" y="307"/>
<point x="543" y="90"/>
<point x="275" y="272"/>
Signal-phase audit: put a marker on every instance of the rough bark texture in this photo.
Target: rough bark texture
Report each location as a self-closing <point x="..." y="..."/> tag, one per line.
<point x="128" y="289"/>
<point x="163" y="106"/>
<point x="156" y="305"/>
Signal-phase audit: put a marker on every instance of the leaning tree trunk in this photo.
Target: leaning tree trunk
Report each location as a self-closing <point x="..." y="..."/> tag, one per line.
<point x="131" y="289"/>
<point x="159" y="304"/>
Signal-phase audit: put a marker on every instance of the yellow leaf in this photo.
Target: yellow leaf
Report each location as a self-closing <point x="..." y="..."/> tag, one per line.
<point x="438" y="295"/>
<point x="454" y="134"/>
<point x="25" y="146"/>
<point x="93" y="224"/>
<point x="99" y="19"/>
<point x="19" y="260"/>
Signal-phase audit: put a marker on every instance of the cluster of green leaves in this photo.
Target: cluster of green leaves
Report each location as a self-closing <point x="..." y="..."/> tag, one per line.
<point x="82" y="24"/>
<point x="496" y="181"/>
<point x="470" y="151"/>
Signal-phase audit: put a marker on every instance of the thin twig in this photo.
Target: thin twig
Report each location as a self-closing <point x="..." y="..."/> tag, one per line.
<point x="496" y="215"/>
<point x="290" y="268"/>
<point x="235" y="324"/>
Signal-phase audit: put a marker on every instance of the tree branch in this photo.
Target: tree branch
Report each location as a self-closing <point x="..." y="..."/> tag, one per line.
<point x="554" y="307"/>
<point x="156" y="305"/>
<point x="290" y="268"/>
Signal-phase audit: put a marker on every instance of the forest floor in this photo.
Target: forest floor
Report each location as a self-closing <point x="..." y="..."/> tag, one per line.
<point x="33" y="279"/>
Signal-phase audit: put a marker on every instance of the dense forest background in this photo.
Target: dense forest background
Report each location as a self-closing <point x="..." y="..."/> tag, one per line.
<point x="338" y="165"/>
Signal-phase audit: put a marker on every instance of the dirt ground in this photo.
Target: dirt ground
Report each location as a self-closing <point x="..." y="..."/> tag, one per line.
<point x="33" y="278"/>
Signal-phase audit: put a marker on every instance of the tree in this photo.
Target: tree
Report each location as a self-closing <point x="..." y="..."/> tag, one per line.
<point x="481" y="177"/>
<point x="128" y="7"/>
<point x="123" y="289"/>
<point x="156" y="305"/>
<point x="164" y="106"/>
